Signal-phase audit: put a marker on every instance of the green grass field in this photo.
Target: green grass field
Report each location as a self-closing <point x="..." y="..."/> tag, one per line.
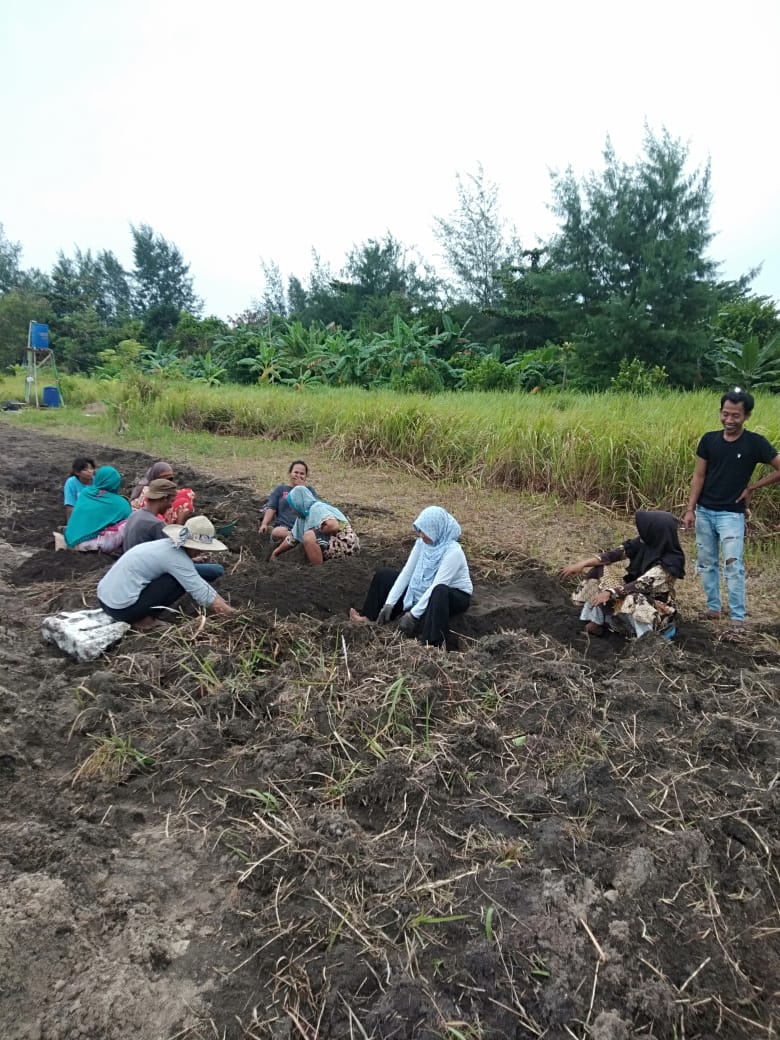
<point x="617" y="450"/>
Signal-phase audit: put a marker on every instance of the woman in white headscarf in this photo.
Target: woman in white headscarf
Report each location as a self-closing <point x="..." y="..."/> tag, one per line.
<point x="433" y="585"/>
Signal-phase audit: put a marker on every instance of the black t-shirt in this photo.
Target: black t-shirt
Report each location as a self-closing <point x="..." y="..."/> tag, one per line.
<point x="730" y="465"/>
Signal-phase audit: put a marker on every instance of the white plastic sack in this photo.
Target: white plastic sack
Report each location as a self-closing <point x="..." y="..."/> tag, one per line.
<point x="83" y="634"/>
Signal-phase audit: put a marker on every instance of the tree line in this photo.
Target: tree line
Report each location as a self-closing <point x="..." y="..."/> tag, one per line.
<point x="624" y="293"/>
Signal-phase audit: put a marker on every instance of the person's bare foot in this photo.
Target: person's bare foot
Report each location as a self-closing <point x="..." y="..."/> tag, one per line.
<point x="59" y="541"/>
<point x="356" y="617"/>
<point x="595" y="630"/>
<point x="148" y="624"/>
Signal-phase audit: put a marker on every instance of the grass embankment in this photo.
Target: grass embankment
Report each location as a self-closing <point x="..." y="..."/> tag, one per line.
<point x="615" y="450"/>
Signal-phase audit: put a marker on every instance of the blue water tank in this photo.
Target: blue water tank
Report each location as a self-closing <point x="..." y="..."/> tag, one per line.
<point x="51" y="397"/>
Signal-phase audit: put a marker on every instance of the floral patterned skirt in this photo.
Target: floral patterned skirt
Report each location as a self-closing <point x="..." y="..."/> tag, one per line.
<point x="345" y="543"/>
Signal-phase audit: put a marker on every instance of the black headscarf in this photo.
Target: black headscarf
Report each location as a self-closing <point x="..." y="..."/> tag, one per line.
<point x="657" y="543"/>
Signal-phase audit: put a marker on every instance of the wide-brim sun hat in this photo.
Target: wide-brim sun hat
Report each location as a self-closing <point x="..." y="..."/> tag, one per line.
<point x="197" y="533"/>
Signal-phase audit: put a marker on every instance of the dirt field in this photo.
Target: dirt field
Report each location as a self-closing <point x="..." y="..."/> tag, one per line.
<point x="285" y="826"/>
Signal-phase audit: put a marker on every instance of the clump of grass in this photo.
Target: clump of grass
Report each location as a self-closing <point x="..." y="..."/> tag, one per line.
<point x="266" y="800"/>
<point x="112" y="760"/>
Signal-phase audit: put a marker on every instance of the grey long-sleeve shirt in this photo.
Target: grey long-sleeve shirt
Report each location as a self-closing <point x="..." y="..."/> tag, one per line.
<point x="121" y="586"/>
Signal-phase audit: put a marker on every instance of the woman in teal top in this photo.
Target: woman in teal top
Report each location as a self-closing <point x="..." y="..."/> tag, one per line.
<point x="81" y="475"/>
<point x="98" y="518"/>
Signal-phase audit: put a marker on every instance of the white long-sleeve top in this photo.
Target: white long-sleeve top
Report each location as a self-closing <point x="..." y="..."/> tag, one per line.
<point x="453" y="570"/>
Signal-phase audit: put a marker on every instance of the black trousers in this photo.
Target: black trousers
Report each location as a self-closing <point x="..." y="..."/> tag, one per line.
<point x="444" y="604"/>
<point x="159" y="593"/>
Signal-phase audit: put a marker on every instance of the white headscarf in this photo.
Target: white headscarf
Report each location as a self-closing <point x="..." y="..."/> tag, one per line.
<point x="443" y="529"/>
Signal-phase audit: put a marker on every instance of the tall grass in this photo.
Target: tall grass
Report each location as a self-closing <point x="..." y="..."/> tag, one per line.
<point x="619" y="450"/>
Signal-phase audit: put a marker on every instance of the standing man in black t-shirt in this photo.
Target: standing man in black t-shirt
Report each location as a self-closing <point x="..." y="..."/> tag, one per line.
<point x="720" y="494"/>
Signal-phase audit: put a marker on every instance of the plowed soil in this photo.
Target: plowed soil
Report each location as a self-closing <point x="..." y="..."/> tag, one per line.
<point x="286" y="826"/>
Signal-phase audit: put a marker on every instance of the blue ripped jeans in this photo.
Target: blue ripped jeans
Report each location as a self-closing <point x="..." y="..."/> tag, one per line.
<point x="721" y="531"/>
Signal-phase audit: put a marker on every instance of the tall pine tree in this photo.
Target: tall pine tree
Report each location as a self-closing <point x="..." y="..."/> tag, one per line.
<point x="161" y="277"/>
<point x="475" y="241"/>
<point x="633" y="244"/>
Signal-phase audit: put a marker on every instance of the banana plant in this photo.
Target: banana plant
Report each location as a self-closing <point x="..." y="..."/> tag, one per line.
<point x="268" y="366"/>
<point x="349" y="361"/>
<point x="755" y="366"/>
<point x="205" y="370"/>
<point x="411" y="345"/>
<point x="162" y="360"/>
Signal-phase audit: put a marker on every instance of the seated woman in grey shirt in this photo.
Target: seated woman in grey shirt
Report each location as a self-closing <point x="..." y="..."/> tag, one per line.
<point x="152" y="576"/>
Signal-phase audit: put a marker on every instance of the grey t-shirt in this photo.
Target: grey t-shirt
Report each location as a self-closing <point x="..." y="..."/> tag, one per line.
<point x="143" y="526"/>
<point x="277" y="500"/>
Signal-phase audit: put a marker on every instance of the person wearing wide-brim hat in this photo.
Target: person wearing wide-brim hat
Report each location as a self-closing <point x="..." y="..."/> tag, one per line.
<point x="151" y="577"/>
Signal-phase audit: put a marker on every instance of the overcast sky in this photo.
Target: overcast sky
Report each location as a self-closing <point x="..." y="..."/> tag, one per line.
<point x="248" y="128"/>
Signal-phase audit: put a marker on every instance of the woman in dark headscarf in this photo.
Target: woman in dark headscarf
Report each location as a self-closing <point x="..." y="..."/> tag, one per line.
<point x="183" y="505"/>
<point x="99" y="516"/>
<point x="645" y="599"/>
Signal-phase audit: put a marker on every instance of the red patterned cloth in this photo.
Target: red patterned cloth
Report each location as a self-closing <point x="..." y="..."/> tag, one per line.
<point x="182" y="508"/>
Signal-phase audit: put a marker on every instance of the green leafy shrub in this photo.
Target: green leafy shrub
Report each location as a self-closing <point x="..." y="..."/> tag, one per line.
<point x="115" y="361"/>
<point x="162" y="361"/>
<point x="489" y="374"/>
<point x="204" y="369"/>
<point x="424" y="379"/>
<point x="136" y="388"/>
<point x="635" y="377"/>
<point x="543" y="367"/>
<point x="76" y="391"/>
